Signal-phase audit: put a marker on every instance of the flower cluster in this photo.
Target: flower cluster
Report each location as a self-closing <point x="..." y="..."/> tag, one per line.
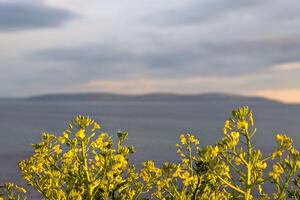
<point x="80" y="164"/>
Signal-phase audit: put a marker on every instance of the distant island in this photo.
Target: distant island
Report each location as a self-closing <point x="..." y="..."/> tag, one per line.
<point x="159" y="97"/>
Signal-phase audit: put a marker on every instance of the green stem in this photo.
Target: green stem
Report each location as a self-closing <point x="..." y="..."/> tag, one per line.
<point x="86" y="169"/>
<point x="247" y="194"/>
<point x="236" y="188"/>
<point x="191" y="161"/>
<point x="281" y="194"/>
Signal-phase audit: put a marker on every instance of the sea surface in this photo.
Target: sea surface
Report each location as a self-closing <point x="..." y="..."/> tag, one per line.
<point x="153" y="127"/>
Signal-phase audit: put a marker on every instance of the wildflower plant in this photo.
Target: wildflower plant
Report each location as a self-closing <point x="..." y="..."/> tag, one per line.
<point x="80" y="164"/>
<point x="86" y="163"/>
<point x="242" y="168"/>
<point x="231" y="169"/>
<point x="188" y="179"/>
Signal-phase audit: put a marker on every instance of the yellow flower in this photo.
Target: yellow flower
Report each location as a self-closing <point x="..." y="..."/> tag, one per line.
<point x="278" y="169"/>
<point x="20" y="189"/>
<point x="227" y="124"/>
<point x="159" y="185"/>
<point x="57" y="149"/>
<point x="183" y="139"/>
<point x="215" y="151"/>
<point x="273" y="175"/>
<point x="298" y="164"/>
<point x="235" y="135"/>
<point x="62" y="140"/>
<point x="261" y="165"/>
<point x="185" y="161"/>
<point x="251" y="119"/>
<point x="97" y="158"/>
<point x="80" y="134"/>
<point x="96" y="126"/>
<point x="192" y="139"/>
<point x="279" y="137"/>
<point x="242" y="125"/>
<point x="185" y="176"/>
<point x="227" y="127"/>
<point x="65" y="135"/>
<point x="121" y="162"/>
<point x="276" y="153"/>
<point x="237" y="161"/>
<point x="177" y="172"/>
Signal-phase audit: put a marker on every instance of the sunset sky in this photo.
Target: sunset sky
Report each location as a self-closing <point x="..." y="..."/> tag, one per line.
<point x="141" y="46"/>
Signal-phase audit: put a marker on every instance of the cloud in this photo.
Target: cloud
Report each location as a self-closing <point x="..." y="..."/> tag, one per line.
<point x="230" y="58"/>
<point x="231" y="14"/>
<point x="291" y="66"/>
<point x="141" y="85"/>
<point x="286" y="95"/>
<point x="27" y="16"/>
<point x="94" y="53"/>
<point x="198" y="12"/>
<point x="223" y="38"/>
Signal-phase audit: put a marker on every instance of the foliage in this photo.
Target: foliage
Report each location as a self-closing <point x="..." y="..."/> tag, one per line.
<point x="294" y="193"/>
<point x="85" y="163"/>
<point x="12" y="191"/>
<point x="80" y="164"/>
<point x="231" y="169"/>
<point x="189" y="179"/>
<point x="237" y="157"/>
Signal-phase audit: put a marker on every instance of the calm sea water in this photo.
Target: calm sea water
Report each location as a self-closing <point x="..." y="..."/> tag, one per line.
<point x="153" y="127"/>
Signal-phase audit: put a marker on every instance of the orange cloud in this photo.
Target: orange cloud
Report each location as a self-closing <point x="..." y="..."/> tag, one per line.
<point x="197" y="84"/>
<point x="135" y="86"/>
<point x="285" y="95"/>
<point x="188" y="85"/>
<point x="286" y="66"/>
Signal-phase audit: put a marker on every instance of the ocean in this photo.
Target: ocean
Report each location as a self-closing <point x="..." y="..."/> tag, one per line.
<point x="153" y="127"/>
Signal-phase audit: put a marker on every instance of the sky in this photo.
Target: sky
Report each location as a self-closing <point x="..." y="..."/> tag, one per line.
<point x="141" y="46"/>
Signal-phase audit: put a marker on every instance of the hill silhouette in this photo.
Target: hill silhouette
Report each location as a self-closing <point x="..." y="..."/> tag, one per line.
<point x="161" y="97"/>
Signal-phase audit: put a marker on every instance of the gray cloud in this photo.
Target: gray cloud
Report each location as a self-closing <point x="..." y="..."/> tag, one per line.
<point x="207" y="58"/>
<point x="200" y="11"/>
<point x="254" y="12"/>
<point x="103" y="57"/>
<point x="242" y="37"/>
<point x="21" y="16"/>
<point x="101" y="53"/>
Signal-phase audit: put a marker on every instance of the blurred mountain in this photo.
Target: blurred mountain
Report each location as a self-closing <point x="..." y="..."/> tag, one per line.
<point x="160" y="97"/>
